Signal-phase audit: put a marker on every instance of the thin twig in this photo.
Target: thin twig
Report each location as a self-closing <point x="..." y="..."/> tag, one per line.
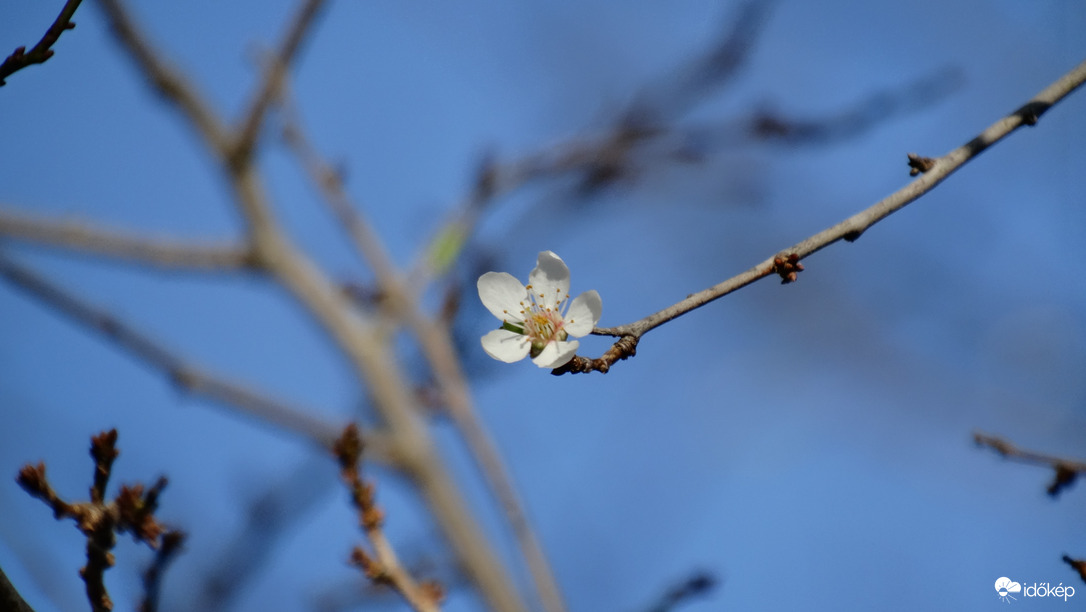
<point x="131" y="511"/>
<point x="357" y="335"/>
<point x="1079" y="565"/>
<point x="383" y="566"/>
<point x="86" y="238"/>
<point x="274" y="74"/>
<point x="932" y="172"/>
<point x="437" y="344"/>
<point x="186" y="376"/>
<point x="366" y="242"/>
<point x="699" y="584"/>
<point x="1066" y="470"/>
<point x="10" y="599"/>
<point x="152" y="577"/>
<point x="42" y="51"/>
<point x="165" y="79"/>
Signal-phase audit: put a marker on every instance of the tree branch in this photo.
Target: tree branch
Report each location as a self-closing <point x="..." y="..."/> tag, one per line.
<point x="437" y="345"/>
<point x="932" y="171"/>
<point x="10" y="599"/>
<point x="383" y="566"/>
<point x="86" y="238"/>
<point x="42" y="51"/>
<point x="1066" y="470"/>
<point x="186" y="376"/>
<point x="274" y="74"/>
<point x="165" y="79"/>
<point x="357" y="335"/>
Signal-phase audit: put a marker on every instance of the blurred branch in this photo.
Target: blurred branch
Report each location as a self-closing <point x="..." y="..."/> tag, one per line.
<point x="185" y="376"/>
<point x="269" y="517"/>
<point x="932" y="170"/>
<point x="274" y="74"/>
<point x="83" y="237"/>
<point x="682" y="88"/>
<point x="437" y="344"/>
<point x="768" y="125"/>
<point x="602" y="158"/>
<point x="165" y="79"/>
<point x="42" y="51"/>
<point x="366" y="242"/>
<point x="1079" y="565"/>
<point x="1066" y="470"/>
<point x="383" y="567"/>
<point x="356" y="334"/>
<point x="172" y="541"/>
<point x="699" y="584"/>
<point x="649" y="131"/>
<point x="131" y="511"/>
<point x="10" y="599"/>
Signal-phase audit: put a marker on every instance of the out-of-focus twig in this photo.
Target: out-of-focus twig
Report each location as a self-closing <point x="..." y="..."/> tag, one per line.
<point x="678" y="90"/>
<point x="172" y="541"/>
<point x="269" y="517"/>
<point x="42" y="51"/>
<point x="186" y="376"/>
<point x="697" y="585"/>
<point x="1066" y="470"/>
<point x="382" y="566"/>
<point x="131" y="511"/>
<point x="274" y="74"/>
<point x="1079" y="565"/>
<point x="86" y="238"/>
<point x="356" y="334"/>
<point x="932" y="172"/>
<point x="10" y="599"/>
<point x="349" y="215"/>
<point x="436" y="342"/>
<point x="649" y="132"/>
<point x="174" y="87"/>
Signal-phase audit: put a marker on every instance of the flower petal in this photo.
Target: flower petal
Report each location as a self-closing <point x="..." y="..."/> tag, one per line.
<point x="556" y="354"/>
<point x="507" y="346"/>
<point x="583" y="314"/>
<point x="502" y="294"/>
<point x="550" y="278"/>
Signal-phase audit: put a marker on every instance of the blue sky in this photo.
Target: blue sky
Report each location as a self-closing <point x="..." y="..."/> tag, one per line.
<point x="807" y="444"/>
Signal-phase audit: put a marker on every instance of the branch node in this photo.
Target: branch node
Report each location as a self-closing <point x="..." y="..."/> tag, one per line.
<point x="787" y="267"/>
<point x="919" y="165"/>
<point x="624" y="348"/>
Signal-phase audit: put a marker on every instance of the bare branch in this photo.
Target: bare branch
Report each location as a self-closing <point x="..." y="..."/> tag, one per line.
<point x="620" y="152"/>
<point x="850" y="229"/>
<point x="365" y="241"/>
<point x="270" y="515"/>
<point x="437" y="345"/>
<point x="357" y="335"/>
<point x="42" y="51"/>
<point x="154" y="251"/>
<point x="680" y="89"/>
<point x="1079" y="565"/>
<point x="274" y="75"/>
<point x="131" y="511"/>
<point x="383" y="567"/>
<point x="165" y="79"/>
<point x="152" y="577"/>
<point x="1066" y="470"/>
<point x="699" y="584"/>
<point x="186" y="376"/>
<point x="10" y="599"/>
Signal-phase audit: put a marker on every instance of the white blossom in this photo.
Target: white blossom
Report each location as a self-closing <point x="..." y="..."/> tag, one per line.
<point x="538" y="319"/>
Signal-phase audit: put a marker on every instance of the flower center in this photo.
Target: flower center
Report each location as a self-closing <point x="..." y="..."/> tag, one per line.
<point x="544" y="318"/>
